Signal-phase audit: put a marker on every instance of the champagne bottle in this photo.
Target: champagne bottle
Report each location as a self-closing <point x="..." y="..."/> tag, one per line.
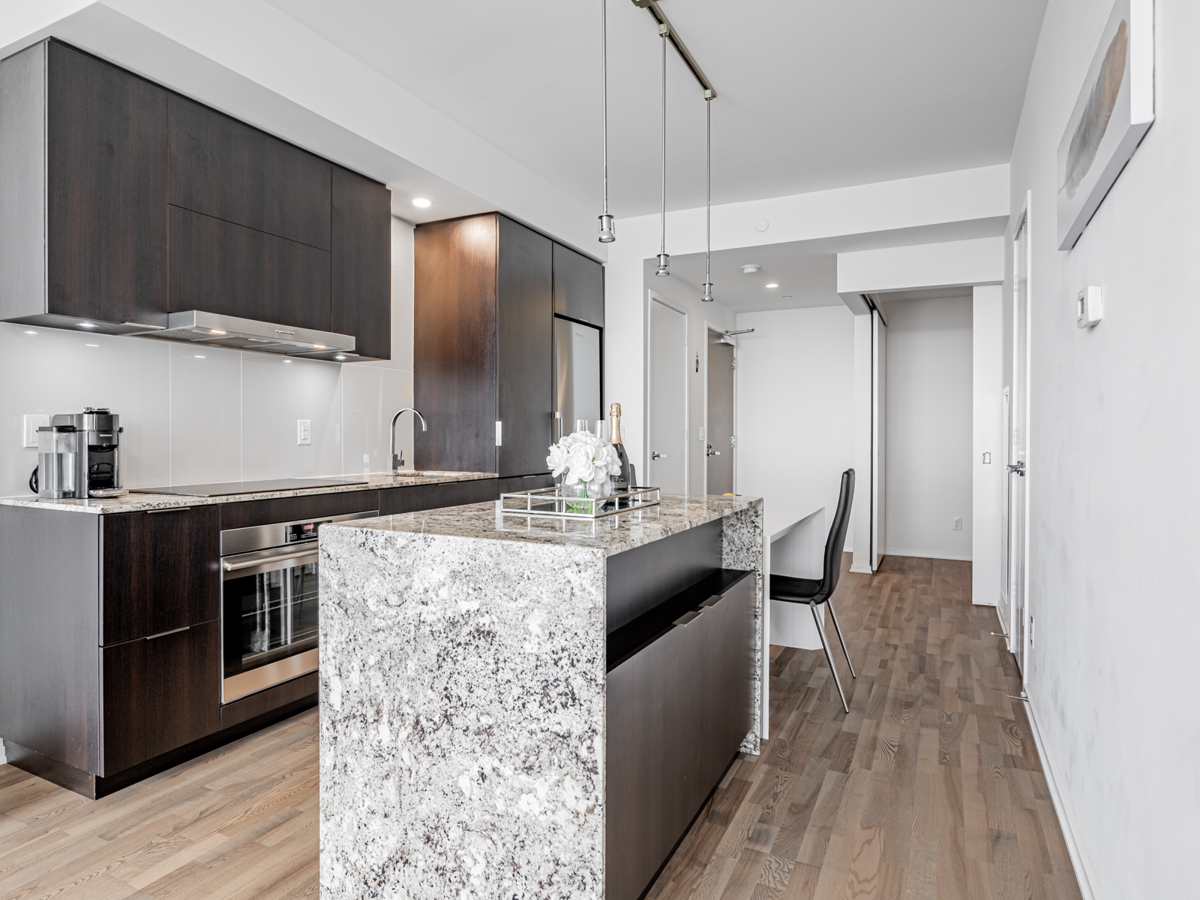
<point x="621" y="482"/>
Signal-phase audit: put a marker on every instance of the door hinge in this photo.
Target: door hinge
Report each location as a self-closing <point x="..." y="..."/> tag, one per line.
<point x="499" y="434"/>
<point x="735" y="363"/>
<point x="733" y="440"/>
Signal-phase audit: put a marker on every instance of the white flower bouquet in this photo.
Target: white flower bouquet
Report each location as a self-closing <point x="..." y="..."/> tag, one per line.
<point x="587" y="462"/>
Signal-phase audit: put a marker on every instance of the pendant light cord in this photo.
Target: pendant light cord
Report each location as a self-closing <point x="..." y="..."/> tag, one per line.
<point x="708" y="200"/>
<point x="664" y="32"/>
<point x="604" y="76"/>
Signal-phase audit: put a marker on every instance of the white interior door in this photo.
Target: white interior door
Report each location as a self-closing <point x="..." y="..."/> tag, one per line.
<point x="1005" y="607"/>
<point x="1018" y="452"/>
<point x="720" y="444"/>
<point x="666" y="409"/>
<point x="878" y="438"/>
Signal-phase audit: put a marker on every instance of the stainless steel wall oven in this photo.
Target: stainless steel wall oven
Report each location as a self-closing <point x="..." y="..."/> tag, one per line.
<point x="269" y="603"/>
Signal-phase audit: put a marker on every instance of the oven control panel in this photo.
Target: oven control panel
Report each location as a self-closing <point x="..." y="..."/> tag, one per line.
<point x="303" y="531"/>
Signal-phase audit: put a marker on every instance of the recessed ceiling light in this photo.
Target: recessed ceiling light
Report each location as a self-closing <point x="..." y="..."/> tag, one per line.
<point x="198" y="356"/>
<point x="772" y="285"/>
<point x="31" y="332"/>
<point x="287" y="362"/>
<point x="91" y="345"/>
<point x="750" y="269"/>
<point x="88" y="325"/>
<point x="786" y="297"/>
<point x="422" y="202"/>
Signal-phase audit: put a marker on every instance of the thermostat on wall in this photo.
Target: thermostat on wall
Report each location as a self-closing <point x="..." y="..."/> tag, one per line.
<point x="1089" y="306"/>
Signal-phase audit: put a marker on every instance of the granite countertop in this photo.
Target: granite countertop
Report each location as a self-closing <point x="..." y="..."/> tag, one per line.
<point x="612" y="535"/>
<point x="132" y="502"/>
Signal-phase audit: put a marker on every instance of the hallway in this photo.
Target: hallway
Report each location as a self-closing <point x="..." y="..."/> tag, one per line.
<point x="930" y="788"/>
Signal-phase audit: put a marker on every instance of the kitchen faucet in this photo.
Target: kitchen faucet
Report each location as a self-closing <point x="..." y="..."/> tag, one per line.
<point x="398" y="460"/>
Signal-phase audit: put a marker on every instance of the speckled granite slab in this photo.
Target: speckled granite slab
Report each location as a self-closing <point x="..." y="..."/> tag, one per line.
<point x="140" y="502"/>
<point x="462" y="690"/>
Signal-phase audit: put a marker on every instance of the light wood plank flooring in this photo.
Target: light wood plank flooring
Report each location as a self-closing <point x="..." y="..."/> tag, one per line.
<point x="930" y="788"/>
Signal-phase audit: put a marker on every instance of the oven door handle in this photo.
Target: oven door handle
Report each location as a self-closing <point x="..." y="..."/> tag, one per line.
<point x="309" y="556"/>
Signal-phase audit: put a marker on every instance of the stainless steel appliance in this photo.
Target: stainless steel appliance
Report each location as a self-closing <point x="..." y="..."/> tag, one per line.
<point x="269" y="603"/>
<point x="79" y="456"/>
<point x="213" y="330"/>
<point x="576" y="374"/>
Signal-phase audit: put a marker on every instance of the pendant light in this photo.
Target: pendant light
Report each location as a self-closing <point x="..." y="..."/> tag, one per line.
<point x="664" y="260"/>
<point x="608" y="232"/>
<point x="707" y="296"/>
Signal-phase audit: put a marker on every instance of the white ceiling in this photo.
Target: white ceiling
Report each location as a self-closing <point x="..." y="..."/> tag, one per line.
<point x="813" y="94"/>
<point x="806" y="271"/>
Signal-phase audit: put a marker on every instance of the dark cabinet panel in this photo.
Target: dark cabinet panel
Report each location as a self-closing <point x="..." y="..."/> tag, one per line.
<point x="727" y="630"/>
<point x="295" y="509"/>
<point x="454" y="344"/>
<point x="159" y="694"/>
<point x="232" y="270"/>
<point x="106" y="182"/>
<point x="49" y="662"/>
<point x="362" y="263"/>
<point x="160" y="571"/>
<point x="296" y="691"/>
<point x="578" y="286"/>
<point x="416" y="498"/>
<point x="525" y="335"/>
<point x="224" y="168"/>
<point x="653" y="758"/>
<point x="525" y="483"/>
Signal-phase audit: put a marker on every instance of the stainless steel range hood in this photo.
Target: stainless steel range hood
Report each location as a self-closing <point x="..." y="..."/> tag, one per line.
<point x="214" y="330"/>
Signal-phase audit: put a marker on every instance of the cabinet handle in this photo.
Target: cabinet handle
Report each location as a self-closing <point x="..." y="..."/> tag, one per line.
<point x="688" y="617"/>
<point x="171" y="509"/>
<point x="154" y="637"/>
<point x="713" y="601"/>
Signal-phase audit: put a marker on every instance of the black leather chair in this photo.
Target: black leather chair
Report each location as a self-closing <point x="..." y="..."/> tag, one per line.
<point x="815" y="591"/>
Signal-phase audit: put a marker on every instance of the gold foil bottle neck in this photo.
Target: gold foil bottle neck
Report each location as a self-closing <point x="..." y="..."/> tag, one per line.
<point x="614" y="415"/>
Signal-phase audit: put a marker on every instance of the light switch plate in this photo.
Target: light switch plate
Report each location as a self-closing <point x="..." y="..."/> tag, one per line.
<point x="304" y="432"/>
<point x="1089" y="307"/>
<point x="957" y="526"/>
<point x="34" y="421"/>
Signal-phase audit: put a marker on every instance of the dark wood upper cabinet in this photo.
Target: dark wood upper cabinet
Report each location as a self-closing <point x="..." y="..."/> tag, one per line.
<point x="122" y="202"/>
<point x="578" y="287"/>
<point x="160" y="571"/>
<point x="224" y="168"/>
<point x="454" y="344"/>
<point x="221" y="267"/>
<point x="526" y="341"/>
<point x="362" y="263"/>
<point x="83" y="218"/>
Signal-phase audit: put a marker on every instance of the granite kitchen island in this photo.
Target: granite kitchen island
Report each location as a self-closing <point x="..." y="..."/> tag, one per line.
<point x="501" y="696"/>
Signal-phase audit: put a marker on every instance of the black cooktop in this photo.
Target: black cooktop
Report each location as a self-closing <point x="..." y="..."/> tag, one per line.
<point x="230" y="488"/>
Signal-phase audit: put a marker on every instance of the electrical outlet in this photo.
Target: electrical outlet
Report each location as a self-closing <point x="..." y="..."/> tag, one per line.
<point x="957" y="526"/>
<point x="34" y="421"/>
<point x="304" y="431"/>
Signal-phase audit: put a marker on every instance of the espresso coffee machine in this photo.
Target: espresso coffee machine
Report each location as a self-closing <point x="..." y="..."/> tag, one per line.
<point x="79" y="456"/>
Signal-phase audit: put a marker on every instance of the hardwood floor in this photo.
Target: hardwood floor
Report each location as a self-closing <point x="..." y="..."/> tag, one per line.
<point x="929" y="788"/>
<point x="239" y="822"/>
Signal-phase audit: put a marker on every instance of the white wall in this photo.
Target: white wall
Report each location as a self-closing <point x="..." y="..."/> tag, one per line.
<point x="795" y="391"/>
<point x="228" y="416"/>
<point x="987" y="479"/>
<point x="951" y="263"/>
<point x="929" y="431"/>
<point x="687" y="299"/>
<point x="1114" y="520"/>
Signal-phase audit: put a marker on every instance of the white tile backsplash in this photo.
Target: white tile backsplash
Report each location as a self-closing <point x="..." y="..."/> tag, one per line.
<point x="228" y="416"/>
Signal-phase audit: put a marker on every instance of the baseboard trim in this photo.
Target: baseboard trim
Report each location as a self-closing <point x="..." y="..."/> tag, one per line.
<point x="862" y="570"/>
<point x="924" y="555"/>
<point x="1060" y="809"/>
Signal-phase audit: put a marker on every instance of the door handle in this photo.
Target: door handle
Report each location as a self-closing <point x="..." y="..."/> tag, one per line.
<point x="657" y="455"/>
<point x="1017" y="468"/>
<point x="711" y="452"/>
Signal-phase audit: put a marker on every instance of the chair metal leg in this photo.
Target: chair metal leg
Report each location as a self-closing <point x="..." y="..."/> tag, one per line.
<point x="828" y="655"/>
<point x="840" y="638"/>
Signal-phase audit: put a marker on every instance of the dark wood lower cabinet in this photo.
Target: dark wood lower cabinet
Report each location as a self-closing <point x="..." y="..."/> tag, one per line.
<point x="420" y="497"/>
<point x="677" y="712"/>
<point x="159" y="693"/>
